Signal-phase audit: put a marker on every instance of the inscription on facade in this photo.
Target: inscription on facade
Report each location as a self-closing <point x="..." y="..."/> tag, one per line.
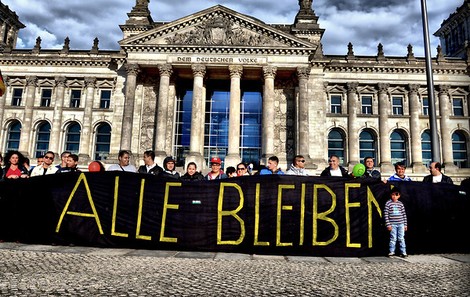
<point x="218" y="60"/>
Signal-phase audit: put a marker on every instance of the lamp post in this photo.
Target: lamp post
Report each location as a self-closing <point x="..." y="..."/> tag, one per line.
<point x="435" y="147"/>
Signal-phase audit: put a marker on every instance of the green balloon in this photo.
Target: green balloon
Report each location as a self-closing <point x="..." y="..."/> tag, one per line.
<point x="359" y="170"/>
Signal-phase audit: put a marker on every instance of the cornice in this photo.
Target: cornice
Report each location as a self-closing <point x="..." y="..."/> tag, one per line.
<point x="69" y="60"/>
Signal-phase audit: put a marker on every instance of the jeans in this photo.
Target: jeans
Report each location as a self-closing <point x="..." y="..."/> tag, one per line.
<point x="397" y="233"/>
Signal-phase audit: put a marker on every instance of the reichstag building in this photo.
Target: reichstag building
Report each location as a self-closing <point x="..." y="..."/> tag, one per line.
<point x="221" y="83"/>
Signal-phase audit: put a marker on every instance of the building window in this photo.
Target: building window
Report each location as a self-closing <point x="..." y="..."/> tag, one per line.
<point x="336" y="140"/>
<point x="13" y="137"/>
<point x="46" y="96"/>
<point x="102" y="141"/>
<point x="335" y="103"/>
<point x="367" y="145"/>
<point x="398" y="147"/>
<point x="426" y="147"/>
<point x="366" y="104"/>
<point x="459" y="149"/>
<point x="457" y="105"/>
<point x="42" y="139"/>
<point x="425" y="106"/>
<point x="216" y="125"/>
<point x="251" y="115"/>
<point x="75" y="98"/>
<point x="72" y="138"/>
<point x="184" y="103"/>
<point x="16" y="97"/>
<point x="397" y="105"/>
<point x="105" y="99"/>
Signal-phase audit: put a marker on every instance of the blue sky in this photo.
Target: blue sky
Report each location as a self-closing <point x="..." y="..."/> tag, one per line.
<point x="364" y="23"/>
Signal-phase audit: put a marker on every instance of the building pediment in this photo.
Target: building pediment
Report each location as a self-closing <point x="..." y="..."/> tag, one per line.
<point x="217" y="26"/>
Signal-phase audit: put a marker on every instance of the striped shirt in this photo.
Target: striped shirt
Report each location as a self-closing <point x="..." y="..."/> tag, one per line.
<point x="394" y="213"/>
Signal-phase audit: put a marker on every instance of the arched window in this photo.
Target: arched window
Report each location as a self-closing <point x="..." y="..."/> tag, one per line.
<point x="102" y="141"/>
<point x="72" y="138"/>
<point x="13" y="136"/>
<point x="459" y="149"/>
<point x="426" y="147"/>
<point x="398" y="147"/>
<point x="42" y="139"/>
<point x="367" y="145"/>
<point x="336" y="144"/>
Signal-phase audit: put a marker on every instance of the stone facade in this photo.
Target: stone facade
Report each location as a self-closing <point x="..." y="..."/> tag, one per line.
<point x="300" y="87"/>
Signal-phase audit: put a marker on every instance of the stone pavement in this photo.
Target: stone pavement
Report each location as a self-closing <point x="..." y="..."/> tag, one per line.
<point x="42" y="270"/>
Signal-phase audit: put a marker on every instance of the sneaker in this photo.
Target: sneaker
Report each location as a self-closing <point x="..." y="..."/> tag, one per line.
<point x="404" y="255"/>
<point x="391" y="255"/>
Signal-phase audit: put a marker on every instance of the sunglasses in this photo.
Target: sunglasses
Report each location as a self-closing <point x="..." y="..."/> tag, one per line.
<point x="303" y="161"/>
<point x="241" y="168"/>
<point x="50" y="158"/>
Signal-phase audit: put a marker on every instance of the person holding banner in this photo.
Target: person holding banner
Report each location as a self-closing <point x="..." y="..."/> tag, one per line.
<point x="150" y="167"/>
<point x="334" y="169"/>
<point x="216" y="172"/>
<point x="14" y="168"/>
<point x="191" y="173"/>
<point x="272" y="167"/>
<point x="169" y="168"/>
<point x="124" y="158"/>
<point x="399" y="175"/>
<point x="46" y="167"/>
<point x="298" y="166"/>
<point x="436" y="175"/>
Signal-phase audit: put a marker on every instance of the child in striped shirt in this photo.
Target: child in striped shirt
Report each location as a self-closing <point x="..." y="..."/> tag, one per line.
<point x="396" y="222"/>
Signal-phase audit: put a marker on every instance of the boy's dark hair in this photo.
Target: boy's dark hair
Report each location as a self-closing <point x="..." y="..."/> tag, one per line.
<point x="395" y="190"/>
<point x="274" y="158"/>
<point x="150" y="154"/>
<point x="400" y="164"/>
<point x="74" y="157"/>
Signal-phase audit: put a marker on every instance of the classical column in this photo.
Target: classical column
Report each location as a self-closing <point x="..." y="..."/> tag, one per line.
<point x="57" y="116"/>
<point x="2" y="108"/>
<point x="416" y="150"/>
<point x="233" y="154"/>
<point x="268" y="113"/>
<point x="353" y="139"/>
<point x="446" y="136"/>
<point x="131" y="84"/>
<point x="197" y="117"/>
<point x="26" y="129"/>
<point x="162" y="109"/>
<point x="384" y="137"/>
<point x="86" y="134"/>
<point x="303" y="123"/>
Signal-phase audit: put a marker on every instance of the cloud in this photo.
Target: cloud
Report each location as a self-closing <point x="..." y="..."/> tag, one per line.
<point x="364" y="23"/>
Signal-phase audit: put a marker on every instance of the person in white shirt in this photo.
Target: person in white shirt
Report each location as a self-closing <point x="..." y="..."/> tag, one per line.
<point x="334" y="169"/>
<point x="124" y="158"/>
<point x="150" y="167"/>
<point x="436" y="175"/>
<point x="46" y="167"/>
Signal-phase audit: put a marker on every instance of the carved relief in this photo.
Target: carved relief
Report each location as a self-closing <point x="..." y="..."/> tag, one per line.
<point x="148" y="118"/>
<point x="220" y="30"/>
<point x="284" y="122"/>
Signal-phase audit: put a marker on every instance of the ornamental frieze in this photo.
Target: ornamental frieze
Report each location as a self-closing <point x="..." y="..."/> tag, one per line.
<point x="221" y="31"/>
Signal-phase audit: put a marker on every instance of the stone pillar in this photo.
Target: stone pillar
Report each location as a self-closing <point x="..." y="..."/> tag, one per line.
<point x="353" y="133"/>
<point x="26" y="129"/>
<point x="162" y="110"/>
<point x="445" y="126"/>
<point x="233" y="154"/>
<point x="197" y="117"/>
<point x="2" y="109"/>
<point x="267" y="140"/>
<point x="57" y="116"/>
<point x="416" y="150"/>
<point x="303" y="114"/>
<point x="85" y="139"/>
<point x="131" y="84"/>
<point x="384" y="137"/>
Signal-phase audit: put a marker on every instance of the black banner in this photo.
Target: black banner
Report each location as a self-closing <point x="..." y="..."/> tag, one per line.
<point x="254" y="214"/>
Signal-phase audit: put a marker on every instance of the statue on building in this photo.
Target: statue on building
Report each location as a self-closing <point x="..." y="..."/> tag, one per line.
<point x="305" y="4"/>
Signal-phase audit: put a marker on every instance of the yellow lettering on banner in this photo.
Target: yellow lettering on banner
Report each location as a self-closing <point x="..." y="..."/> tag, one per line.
<point x="348" y="217"/>
<point x="256" y="242"/>
<point x="113" y="223"/>
<point x="139" y="214"/>
<point x="280" y="208"/>
<point x="371" y="200"/>
<point x="221" y="213"/>
<point x="167" y="206"/>
<point x="323" y="216"/>
<point x="302" y="215"/>
<point x="80" y="214"/>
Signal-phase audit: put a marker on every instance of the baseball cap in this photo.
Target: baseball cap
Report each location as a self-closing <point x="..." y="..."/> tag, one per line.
<point x="216" y="160"/>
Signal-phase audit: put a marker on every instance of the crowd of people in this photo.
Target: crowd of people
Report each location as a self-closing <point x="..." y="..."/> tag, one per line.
<point x="18" y="166"/>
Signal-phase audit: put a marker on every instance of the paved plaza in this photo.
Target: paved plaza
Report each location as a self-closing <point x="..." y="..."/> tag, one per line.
<point x="42" y="270"/>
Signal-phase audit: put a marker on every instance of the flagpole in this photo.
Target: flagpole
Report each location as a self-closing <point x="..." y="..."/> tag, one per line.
<point x="435" y="147"/>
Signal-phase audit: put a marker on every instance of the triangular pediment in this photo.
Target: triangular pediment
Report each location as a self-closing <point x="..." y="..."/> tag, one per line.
<point x="217" y="26"/>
